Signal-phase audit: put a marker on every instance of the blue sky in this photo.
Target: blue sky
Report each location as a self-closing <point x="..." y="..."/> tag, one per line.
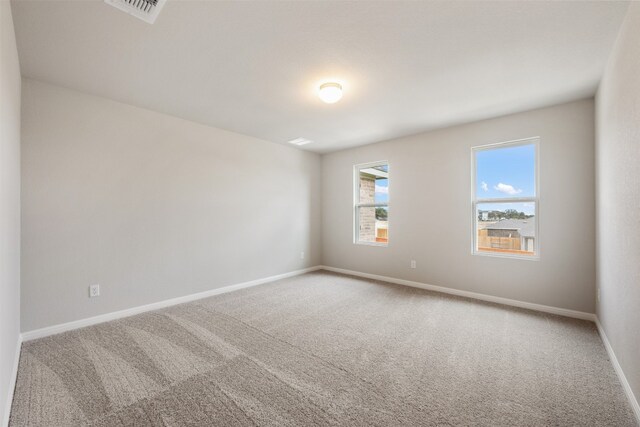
<point x="382" y="187"/>
<point x="506" y="172"/>
<point x="382" y="190"/>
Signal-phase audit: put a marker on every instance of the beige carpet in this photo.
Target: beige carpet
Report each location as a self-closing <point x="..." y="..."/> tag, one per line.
<point x="323" y="349"/>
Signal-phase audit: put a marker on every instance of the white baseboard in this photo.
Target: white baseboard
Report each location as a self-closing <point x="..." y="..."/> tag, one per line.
<point x="623" y="379"/>
<point x="483" y="297"/>
<point x="12" y="382"/>
<point x="63" y="327"/>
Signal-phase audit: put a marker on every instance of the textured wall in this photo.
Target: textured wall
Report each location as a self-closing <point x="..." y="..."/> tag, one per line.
<point x="9" y="203"/>
<point x="618" y="198"/>
<point x="431" y="218"/>
<point x="151" y="207"/>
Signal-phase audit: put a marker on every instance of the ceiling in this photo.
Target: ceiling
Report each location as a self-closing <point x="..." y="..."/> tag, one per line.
<point x="254" y="67"/>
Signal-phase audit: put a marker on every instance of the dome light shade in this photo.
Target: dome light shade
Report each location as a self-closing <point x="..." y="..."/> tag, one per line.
<point x="330" y="92"/>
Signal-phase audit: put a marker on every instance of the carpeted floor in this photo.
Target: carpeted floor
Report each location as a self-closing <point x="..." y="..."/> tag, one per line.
<point x="323" y="349"/>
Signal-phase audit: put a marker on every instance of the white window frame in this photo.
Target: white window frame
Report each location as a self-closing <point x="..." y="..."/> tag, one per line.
<point x="535" y="141"/>
<point x="357" y="205"/>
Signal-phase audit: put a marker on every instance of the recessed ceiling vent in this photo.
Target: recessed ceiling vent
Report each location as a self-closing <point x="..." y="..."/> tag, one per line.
<point x="300" y="141"/>
<point x="147" y="10"/>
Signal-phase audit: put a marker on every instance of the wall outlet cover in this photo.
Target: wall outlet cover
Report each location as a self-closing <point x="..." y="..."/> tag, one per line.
<point x="94" y="291"/>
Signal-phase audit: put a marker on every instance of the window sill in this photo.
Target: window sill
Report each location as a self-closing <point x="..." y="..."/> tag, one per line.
<point x="535" y="257"/>
<point x="371" y="244"/>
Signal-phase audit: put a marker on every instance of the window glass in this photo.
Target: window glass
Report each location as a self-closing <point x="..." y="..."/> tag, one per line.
<point x="505" y="199"/>
<point x="506" y="172"/>
<point x="506" y="228"/>
<point x="372" y="203"/>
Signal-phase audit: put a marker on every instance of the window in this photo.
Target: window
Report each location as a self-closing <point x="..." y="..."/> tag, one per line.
<point x="371" y="203"/>
<point x="505" y="199"/>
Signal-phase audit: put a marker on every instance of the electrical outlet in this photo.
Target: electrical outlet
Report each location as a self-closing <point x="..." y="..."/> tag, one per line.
<point x="94" y="291"/>
<point x="301" y="255"/>
<point x="413" y="263"/>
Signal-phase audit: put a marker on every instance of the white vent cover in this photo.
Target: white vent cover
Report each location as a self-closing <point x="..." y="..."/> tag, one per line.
<point x="300" y="141"/>
<point x="147" y="10"/>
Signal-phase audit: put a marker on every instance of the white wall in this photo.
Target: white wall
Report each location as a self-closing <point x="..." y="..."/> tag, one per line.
<point x="618" y="198"/>
<point x="9" y="204"/>
<point x="430" y="209"/>
<point x="151" y="207"/>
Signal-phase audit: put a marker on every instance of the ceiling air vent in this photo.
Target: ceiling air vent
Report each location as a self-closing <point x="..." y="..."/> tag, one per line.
<point x="147" y="10"/>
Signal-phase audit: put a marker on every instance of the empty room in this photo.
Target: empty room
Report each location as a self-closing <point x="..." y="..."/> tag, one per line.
<point x="310" y="213"/>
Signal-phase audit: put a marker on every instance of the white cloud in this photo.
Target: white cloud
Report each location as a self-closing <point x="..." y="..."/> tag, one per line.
<point x="484" y="186"/>
<point x="507" y="189"/>
<point x="383" y="190"/>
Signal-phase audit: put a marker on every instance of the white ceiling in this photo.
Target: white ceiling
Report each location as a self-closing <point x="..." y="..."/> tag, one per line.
<point x="253" y="67"/>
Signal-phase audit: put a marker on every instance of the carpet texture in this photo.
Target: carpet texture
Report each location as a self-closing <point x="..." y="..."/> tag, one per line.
<point x="323" y="349"/>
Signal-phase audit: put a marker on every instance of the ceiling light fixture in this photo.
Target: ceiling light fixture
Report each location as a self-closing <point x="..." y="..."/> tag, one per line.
<point x="330" y="92"/>
<point x="300" y="141"/>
